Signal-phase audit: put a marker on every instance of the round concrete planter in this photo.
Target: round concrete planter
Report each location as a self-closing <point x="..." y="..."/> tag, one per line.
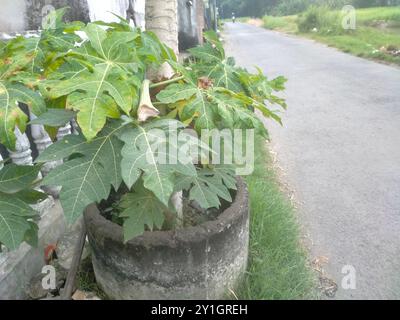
<point x="201" y="262"/>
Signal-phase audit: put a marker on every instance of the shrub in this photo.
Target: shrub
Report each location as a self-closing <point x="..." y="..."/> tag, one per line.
<point x="321" y="19"/>
<point x="290" y="7"/>
<point x="273" y="23"/>
<point x="127" y="150"/>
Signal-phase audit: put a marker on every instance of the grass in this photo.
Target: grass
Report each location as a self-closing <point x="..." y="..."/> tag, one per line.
<point x="86" y="280"/>
<point x="365" y="42"/>
<point x="367" y="16"/>
<point x="285" y="24"/>
<point x="278" y="266"/>
<point x="372" y="38"/>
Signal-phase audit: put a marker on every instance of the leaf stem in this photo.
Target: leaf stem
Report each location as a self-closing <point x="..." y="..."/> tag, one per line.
<point x="4" y="161"/>
<point x="163" y="83"/>
<point x="157" y="103"/>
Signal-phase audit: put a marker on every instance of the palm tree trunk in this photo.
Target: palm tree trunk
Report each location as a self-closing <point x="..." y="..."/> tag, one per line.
<point x="162" y="19"/>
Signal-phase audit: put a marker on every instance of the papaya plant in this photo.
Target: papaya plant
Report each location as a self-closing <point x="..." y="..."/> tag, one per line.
<point x="98" y="74"/>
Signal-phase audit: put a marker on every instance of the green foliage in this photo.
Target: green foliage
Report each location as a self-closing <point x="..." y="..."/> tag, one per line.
<point x="209" y="186"/>
<point x="258" y="8"/>
<point x="220" y="95"/>
<point x="23" y="62"/>
<point x="89" y="177"/>
<point x="55" y="118"/>
<point x="322" y="20"/>
<point x="149" y="153"/>
<point x="376" y="35"/>
<point x="141" y="209"/>
<point x="246" y="8"/>
<point x="372" y="15"/>
<point x="99" y="77"/>
<point x="290" y="7"/>
<point x="17" y="217"/>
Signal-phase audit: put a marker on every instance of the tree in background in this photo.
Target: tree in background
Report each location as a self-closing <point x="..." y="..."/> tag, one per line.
<point x="258" y="8"/>
<point x="245" y="8"/>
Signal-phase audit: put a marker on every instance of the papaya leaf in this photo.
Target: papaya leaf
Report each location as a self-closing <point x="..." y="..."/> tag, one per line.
<point x="141" y="209"/>
<point x="55" y="117"/>
<point x="88" y="178"/>
<point x="148" y="152"/>
<point x="224" y="74"/>
<point x="64" y="148"/>
<point x="10" y="113"/>
<point x="197" y="105"/>
<point x="16" y="217"/>
<point x="206" y="53"/>
<point x="153" y="51"/>
<point x="209" y="108"/>
<point x="227" y="174"/>
<point x="100" y="78"/>
<point x="207" y="187"/>
<point x="234" y="113"/>
<point x="96" y="96"/>
<point x="177" y="92"/>
<point x="31" y="196"/>
<point x="31" y="236"/>
<point x="15" y="178"/>
<point x="213" y="38"/>
<point x="116" y="49"/>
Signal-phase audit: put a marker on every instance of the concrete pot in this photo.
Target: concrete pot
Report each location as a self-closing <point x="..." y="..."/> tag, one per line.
<point x="201" y="262"/>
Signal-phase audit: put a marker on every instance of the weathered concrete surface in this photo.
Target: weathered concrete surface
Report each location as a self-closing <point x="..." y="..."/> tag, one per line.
<point x="340" y="150"/>
<point x="201" y="262"/>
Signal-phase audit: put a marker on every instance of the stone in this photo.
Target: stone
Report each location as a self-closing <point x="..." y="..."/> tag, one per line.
<point x="82" y="295"/>
<point x="66" y="246"/>
<point x="36" y="290"/>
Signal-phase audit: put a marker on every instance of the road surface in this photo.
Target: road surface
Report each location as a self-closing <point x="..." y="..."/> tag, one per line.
<point x="340" y="151"/>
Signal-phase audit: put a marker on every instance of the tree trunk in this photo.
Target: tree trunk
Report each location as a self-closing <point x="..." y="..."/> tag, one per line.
<point x="162" y="19"/>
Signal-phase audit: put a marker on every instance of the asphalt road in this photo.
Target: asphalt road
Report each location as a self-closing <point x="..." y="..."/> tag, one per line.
<point x="340" y="152"/>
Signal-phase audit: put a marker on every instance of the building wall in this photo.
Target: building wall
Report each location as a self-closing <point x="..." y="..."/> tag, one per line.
<point x="191" y="23"/>
<point x="23" y="15"/>
<point x="12" y="16"/>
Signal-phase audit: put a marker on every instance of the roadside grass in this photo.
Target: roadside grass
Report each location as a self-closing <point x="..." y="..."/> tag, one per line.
<point x="278" y="268"/>
<point x="369" y="15"/>
<point x="365" y="42"/>
<point x="285" y="24"/>
<point x="377" y="33"/>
